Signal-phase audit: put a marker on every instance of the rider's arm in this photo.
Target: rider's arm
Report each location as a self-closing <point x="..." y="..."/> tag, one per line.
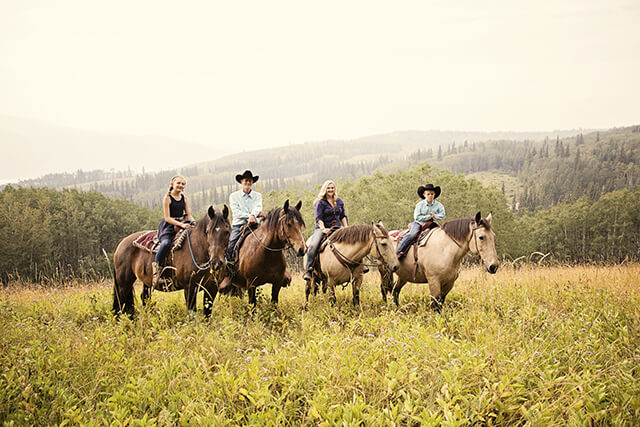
<point x="439" y="213"/>
<point x="236" y="208"/>
<point x="257" y="205"/>
<point x="187" y="211"/>
<point x="420" y="214"/>
<point x="343" y="213"/>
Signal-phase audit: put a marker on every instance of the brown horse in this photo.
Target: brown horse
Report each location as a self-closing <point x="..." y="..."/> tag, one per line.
<point x="440" y="259"/>
<point x="261" y="256"/>
<point x="341" y="259"/>
<point x="196" y="264"/>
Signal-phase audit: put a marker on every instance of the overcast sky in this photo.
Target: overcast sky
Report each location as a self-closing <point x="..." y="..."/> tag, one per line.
<point x="253" y="74"/>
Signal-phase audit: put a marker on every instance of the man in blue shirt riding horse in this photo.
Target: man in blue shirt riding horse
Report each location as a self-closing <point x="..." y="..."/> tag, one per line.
<point x="425" y="214"/>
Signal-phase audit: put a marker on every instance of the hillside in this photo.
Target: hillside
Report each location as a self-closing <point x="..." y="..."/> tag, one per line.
<point x="551" y="171"/>
<point x="301" y="164"/>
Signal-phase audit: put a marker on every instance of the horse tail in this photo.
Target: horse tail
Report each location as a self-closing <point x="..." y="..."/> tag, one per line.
<point x="122" y="290"/>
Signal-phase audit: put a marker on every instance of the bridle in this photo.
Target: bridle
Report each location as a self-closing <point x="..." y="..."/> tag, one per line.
<point x="282" y="231"/>
<point x="475" y="239"/>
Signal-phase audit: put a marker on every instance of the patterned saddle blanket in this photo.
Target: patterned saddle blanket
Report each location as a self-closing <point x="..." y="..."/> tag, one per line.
<point x="397" y="235"/>
<point x="149" y="241"/>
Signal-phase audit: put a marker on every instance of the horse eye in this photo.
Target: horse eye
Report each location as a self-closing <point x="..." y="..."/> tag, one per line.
<point x="383" y="244"/>
<point x="481" y="237"/>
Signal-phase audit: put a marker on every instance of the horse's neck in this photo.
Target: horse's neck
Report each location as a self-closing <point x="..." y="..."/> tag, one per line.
<point x="269" y="237"/>
<point x="355" y="251"/>
<point x="447" y="244"/>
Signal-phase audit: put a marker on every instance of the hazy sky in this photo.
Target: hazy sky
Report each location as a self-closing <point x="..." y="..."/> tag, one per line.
<point x="253" y="74"/>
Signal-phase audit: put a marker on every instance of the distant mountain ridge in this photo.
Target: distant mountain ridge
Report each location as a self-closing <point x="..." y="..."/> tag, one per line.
<point x="36" y="148"/>
<point x="308" y="163"/>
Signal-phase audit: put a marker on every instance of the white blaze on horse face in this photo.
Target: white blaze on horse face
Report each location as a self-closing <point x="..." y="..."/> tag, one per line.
<point x="485" y="245"/>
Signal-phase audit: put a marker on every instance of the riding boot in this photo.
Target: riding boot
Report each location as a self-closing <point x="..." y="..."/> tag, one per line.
<point x="155" y="278"/>
<point x="226" y="281"/>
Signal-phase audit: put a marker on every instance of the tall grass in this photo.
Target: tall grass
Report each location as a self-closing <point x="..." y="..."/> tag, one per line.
<point x="536" y="345"/>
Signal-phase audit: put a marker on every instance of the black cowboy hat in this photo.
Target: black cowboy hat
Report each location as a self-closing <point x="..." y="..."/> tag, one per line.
<point x="424" y="188"/>
<point x="246" y="174"/>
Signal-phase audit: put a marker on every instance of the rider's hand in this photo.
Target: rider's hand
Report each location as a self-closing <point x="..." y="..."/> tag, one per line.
<point x="432" y="214"/>
<point x="326" y="230"/>
<point x="252" y="219"/>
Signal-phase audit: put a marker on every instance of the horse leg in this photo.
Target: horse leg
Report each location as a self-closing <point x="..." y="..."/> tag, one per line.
<point x="331" y="285"/>
<point x="190" y="294"/>
<point x="437" y="297"/>
<point x="308" y="285"/>
<point x="355" y="286"/>
<point x="252" y="296"/>
<point x="275" y="291"/>
<point x="146" y="294"/>
<point x="209" y="295"/>
<point x="396" y="290"/>
<point x="123" y="291"/>
<point x="386" y="282"/>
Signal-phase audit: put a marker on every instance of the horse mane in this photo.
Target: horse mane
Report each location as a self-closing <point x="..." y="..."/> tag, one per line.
<point x="459" y="228"/>
<point x="273" y="216"/>
<point x="352" y="234"/>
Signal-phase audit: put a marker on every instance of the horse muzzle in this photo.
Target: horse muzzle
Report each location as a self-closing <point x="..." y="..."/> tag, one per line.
<point x="395" y="268"/>
<point x="493" y="268"/>
<point x="301" y="251"/>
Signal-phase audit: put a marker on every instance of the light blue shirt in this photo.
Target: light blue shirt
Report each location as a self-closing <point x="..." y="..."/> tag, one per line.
<point x="423" y="210"/>
<point x="244" y="205"/>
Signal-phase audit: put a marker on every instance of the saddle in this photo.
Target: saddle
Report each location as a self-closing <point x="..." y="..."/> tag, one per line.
<point x="149" y="241"/>
<point x="245" y="231"/>
<point x="422" y="239"/>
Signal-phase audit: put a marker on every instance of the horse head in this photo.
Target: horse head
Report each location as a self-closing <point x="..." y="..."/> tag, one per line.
<point x="385" y="251"/>
<point x="217" y="231"/>
<point x="483" y="242"/>
<point x="292" y="225"/>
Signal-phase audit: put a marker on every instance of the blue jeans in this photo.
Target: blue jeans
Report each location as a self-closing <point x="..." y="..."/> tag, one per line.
<point x="233" y="239"/>
<point x="163" y="248"/>
<point x="409" y="238"/>
<point x="313" y="247"/>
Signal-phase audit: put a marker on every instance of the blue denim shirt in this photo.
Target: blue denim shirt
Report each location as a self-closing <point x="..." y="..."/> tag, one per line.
<point x="423" y="209"/>
<point x="244" y="205"/>
<point x="329" y="215"/>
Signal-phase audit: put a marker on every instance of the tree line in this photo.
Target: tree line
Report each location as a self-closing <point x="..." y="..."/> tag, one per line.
<point x="49" y="233"/>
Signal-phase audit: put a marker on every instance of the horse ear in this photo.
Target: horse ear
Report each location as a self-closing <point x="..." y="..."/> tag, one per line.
<point x="211" y="212"/>
<point x="286" y="206"/>
<point x="225" y="212"/>
<point x="478" y="217"/>
<point x="489" y="218"/>
<point x="298" y="205"/>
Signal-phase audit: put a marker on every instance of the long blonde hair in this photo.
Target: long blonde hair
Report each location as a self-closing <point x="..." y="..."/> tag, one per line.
<point x="173" y="179"/>
<point x="323" y="191"/>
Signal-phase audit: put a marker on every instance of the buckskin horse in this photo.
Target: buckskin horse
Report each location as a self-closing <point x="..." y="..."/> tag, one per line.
<point x="341" y="258"/>
<point x="261" y="257"/>
<point x="197" y="263"/>
<point x="439" y="261"/>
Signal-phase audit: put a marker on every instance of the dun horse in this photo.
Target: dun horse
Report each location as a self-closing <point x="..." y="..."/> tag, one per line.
<point x="200" y="255"/>
<point x="440" y="259"/>
<point x="341" y="258"/>
<point x="261" y="256"/>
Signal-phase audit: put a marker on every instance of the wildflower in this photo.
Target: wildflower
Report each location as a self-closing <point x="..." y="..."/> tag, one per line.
<point x="510" y="311"/>
<point x="248" y="359"/>
<point x="264" y="379"/>
<point x="370" y="336"/>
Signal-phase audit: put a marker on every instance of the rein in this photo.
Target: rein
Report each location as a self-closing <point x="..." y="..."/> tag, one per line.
<point x="207" y="266"/>
<point x="348" y="262"/>
<point x="473" y="234"/>
<point x="288" y="242"/>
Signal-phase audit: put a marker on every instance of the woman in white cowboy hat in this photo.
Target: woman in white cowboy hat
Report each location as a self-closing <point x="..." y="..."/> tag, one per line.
<point x="427" y="210"/>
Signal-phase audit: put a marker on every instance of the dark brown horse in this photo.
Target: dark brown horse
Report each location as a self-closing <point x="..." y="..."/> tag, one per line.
<point x="197" y="263"/>
<point x="261" y="256"/>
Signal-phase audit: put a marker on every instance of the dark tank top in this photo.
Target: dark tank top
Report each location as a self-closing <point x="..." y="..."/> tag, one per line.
<point x="176" y="207"/>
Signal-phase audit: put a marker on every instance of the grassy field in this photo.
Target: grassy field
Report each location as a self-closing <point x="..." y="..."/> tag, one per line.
<point x="537" y="345"/>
